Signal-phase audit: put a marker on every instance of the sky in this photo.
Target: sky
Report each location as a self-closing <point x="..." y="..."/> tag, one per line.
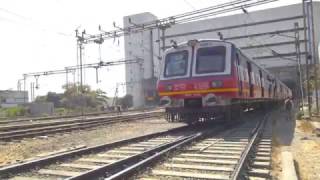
<point x="39" y="35"/>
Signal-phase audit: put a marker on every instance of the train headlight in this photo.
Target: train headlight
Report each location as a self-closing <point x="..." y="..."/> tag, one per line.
<point x="216" y="84"/>
<point x="169" y="87"/>
<point x="209" y="100"/>
<point x="165" y="101"/>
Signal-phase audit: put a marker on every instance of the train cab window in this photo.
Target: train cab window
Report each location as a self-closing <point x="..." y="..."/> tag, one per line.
<point x="176" y="64"/>
<point x="211" y="60"/>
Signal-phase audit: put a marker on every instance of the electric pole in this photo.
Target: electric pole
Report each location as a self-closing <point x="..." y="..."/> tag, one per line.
<point x="307" y="56"/>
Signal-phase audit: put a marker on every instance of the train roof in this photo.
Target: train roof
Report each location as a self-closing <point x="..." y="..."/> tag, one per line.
<point x="185" y="43"/>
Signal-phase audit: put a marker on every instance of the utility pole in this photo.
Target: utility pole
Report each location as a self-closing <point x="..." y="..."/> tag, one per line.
<point x="97" y="74"/>
<point x="151" y="54"/>
<point x="67" y="80"/>
<point x="32" y="91"/>
<point x="24" y="89"/>
<point x="307" y="56"/>
<point x="159" y="44"/>
<point x="298" y="52"/>
<point x="81" y="73"/>
<point x="314" y="54"/>
<point x="80" y="40"/>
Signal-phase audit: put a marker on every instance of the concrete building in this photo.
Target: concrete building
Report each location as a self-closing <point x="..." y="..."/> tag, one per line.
<point x="139" y="45"/>
<point x="10" y="98"/>
<point x="266" y="36"/>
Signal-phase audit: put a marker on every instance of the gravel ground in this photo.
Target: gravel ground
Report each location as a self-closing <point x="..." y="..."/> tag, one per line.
<point x="297" y="137"/>
<point x="25" y="149"/>
<point x="306" y="151"/>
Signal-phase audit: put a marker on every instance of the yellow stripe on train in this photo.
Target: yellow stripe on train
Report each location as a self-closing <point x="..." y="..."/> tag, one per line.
<point x="199" y="91"/>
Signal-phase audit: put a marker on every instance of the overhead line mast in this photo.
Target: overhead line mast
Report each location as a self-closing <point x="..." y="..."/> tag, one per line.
<point x="73" y="69"/>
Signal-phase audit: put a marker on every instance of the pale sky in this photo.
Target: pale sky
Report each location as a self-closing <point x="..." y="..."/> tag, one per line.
<point x="38" y="35"/>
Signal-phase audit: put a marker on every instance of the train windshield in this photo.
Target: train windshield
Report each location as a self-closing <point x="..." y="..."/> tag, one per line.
<point x="211" y="60"/>
<point x="176" y="64"/>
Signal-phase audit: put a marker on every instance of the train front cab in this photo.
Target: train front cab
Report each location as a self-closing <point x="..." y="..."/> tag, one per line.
<point x="205" y="88"/>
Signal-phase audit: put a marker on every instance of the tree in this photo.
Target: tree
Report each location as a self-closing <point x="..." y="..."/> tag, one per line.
<point x="313" y="78"/>
<point x="101" y="97"/>
<point x="54" y="98"/>
<point x="73" y="98"/>
<point x="126" y="101"/>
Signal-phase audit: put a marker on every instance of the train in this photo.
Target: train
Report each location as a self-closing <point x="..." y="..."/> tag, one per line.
<point x="208" y="79"/>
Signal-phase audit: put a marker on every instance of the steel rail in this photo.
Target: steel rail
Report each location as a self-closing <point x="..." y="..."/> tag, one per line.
<point x="23" y="167"/>
<point x="228" y="133"/>
<point x="92" y="114"/>
<point x="245" y="154"/>
<point x="5" y="136"/>
<point x="134" y="168"/>
<point x="44" y="124"/>
<point x="110" y="167"/>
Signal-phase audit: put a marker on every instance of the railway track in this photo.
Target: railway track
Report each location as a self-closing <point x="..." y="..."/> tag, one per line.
<point x="240" y="153"/>
<point x="8" y="133"/>
<point x="69" y="117"/>
<point x="95" y="161"/>
<point x="224" y="151"/>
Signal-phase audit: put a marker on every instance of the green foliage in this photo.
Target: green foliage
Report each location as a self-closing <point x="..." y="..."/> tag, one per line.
<point x="72" y="98"/>
<point x="313" y="78"/>
<point x="61" y="111"/>
<point x="15" y="111"/>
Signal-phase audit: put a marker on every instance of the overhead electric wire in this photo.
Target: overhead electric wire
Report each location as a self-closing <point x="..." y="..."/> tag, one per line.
<point x="177" y="19"/>
<point x="273" y="52"/>
<point x="208" y="9"/>
<point x="239" y="7"/>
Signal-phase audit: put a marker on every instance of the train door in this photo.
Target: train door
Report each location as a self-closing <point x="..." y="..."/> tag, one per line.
<point x="261" y="83"/>
<point x="251" y="86"/>
<point x="269" y="86"/>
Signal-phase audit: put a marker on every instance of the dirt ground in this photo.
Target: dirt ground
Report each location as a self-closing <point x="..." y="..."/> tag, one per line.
<point x="14" y="152"/>
<point x="299" y="138"/>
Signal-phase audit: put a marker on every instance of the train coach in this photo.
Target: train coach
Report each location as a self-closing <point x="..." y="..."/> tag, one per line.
<point x="205" y="79"/>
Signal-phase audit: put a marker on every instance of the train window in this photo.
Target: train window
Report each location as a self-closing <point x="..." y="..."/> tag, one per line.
<point x="176" y="64"/>
<point x="245" y="75"/>
<point x="238" y="59"/>
<point x="211" y="60"/>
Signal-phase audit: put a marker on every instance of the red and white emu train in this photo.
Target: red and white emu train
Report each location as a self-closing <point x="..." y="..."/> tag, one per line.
<point x="204" y="79"/>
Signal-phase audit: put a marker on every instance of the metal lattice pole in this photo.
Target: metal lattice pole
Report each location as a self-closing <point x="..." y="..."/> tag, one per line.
<point x="307" y="56"/>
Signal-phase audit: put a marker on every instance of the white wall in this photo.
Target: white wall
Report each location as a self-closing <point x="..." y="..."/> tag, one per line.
<point x="138" y="45"/>
<point x="276" y="65"/>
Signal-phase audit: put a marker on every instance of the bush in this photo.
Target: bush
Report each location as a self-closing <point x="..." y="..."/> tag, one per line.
<point x="15" y="111"/>
<point x="61" y="111"/>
